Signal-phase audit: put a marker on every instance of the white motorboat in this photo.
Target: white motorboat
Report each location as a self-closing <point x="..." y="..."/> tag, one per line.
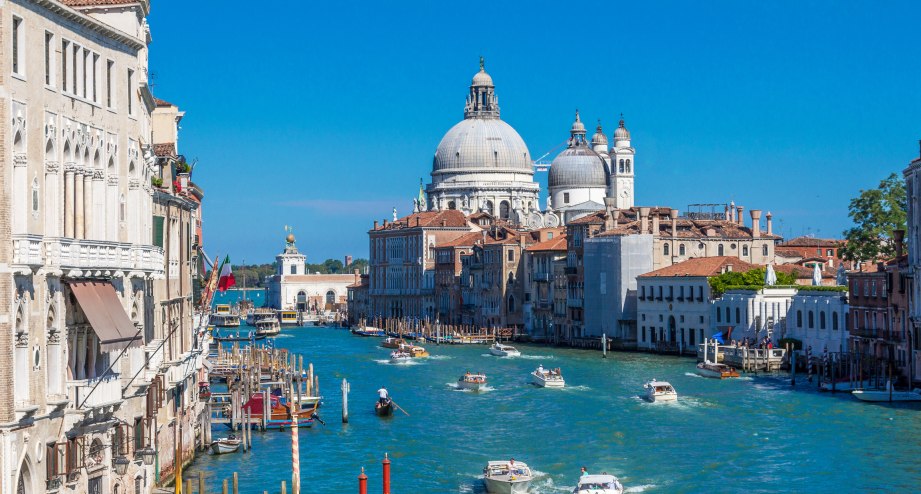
<point x="501" y="350"/>
<point x="399" y="357"/>
<point x="660" y="391"/>
<point x="887" y="395"/>
<point x="268" y="327"/>
<point x="598" y="484"/>
<point x="548" y="378"/>
<point x="225" y="445"/>
<point x="716" y="371"/>
<point x="473" y="382"/>
<point x="507" y="477"/>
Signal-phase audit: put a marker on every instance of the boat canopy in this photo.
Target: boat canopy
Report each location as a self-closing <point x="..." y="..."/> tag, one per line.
<point x="597" y="479"/>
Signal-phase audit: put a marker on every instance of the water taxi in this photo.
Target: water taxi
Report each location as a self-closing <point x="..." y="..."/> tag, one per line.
<point x="226" y="445"/>
<point x="399" y="357"/>
<point x="268" y="327"/>
<point x="660" y="391"/>
<point x="288" y="317"/>
<point x="391" y="342"/>
<point x="598" y="484"/>
<point x="716" y="371"/>
<point x="224" y="317"/>
<point x="473" y="382"/>
<point x="501" y="350"/>
<point x="415" y="351"/>
<point x="507" y="477"/>
<point x="548" y="378"/>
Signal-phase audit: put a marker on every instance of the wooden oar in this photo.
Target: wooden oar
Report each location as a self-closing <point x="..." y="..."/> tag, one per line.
<point x="399" y="407"/>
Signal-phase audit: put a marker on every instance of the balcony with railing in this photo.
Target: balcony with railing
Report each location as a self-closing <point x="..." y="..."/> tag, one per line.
<point x="28" y="251"/>
<point x="87" y="255"/>
<point x="95" y="393"/>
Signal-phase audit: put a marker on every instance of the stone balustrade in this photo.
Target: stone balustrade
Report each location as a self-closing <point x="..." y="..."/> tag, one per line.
<point x="96" y="392"/>
<point x="89" y="256"/>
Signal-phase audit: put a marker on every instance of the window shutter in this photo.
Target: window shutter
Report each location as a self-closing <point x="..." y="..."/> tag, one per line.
<point x="158" y="231"/>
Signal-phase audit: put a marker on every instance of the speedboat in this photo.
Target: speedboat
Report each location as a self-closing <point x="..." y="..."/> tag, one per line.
<point x="501" y="350"/>
<point x="507" y="477"/>
<point x="391" y="342"/>
<point x="717" y="371"/>
<point x="226" y="445"/>
<point x="473" y="382"/>
<point x="660" y="391"/>
<point x="548" y="378"/>
<point x="416" y="351"/>
<point x="399" y="356"/>
<point x="598" y="484"/>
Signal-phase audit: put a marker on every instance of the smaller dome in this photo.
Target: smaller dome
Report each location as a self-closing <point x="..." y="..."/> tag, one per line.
<point x="290" y="238"/>
<point x="577" y="127"/>
<point x="621" y="134"/>
<point x="482" y="78"/>
<point x="578" y="165"/>
<point x="599" y="139"/>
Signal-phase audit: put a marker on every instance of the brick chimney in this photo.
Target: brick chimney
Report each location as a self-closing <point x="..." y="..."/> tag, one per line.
<point x="770" y="224"/>
<point x="644" y="220"/>
<point x="756" y="222"/>
<point x="739" y="218"/>
<point x="899" y="237"/>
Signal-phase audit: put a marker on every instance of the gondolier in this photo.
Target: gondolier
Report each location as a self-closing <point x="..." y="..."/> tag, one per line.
<point x="382" y="395"/>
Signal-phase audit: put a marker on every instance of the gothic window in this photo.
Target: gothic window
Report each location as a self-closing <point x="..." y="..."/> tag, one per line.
<point x="811" y="320"/>
<point x="681" y="249"/>
<point x="738" y="316"/>
<point x="511" y="304"/>
<point x="35" y="195"/>
<point x="122" y="209"/>
<point x="834" y="320"/>
<point x="799" y="318"/>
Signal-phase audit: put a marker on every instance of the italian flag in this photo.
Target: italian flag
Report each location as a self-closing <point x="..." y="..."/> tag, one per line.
<point x="226" y="281"/>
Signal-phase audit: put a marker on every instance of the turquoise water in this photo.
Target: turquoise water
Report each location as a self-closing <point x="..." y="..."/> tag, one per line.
<point x="753" y="434"/>
<point x="255" y="295"/>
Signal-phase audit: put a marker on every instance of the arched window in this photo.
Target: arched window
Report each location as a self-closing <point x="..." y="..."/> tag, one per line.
<point x="764" y="250"/>
<point x="35" y="195"/>
<point x="621" y="167"/>
<point x="489" y="208"/>
<point x="665" y="249"/>
<point x="822" y="320"/>
<point x="834" y="320"/>
<point x="681" y="250"/>
<point x="511" y="304"/>
<point x="738" y="316"/>
<point x="330" y="297"/>
<point x="452" y="205"/>
<point x="504" y="210"/>
<point x="122" y="208"/>
<point x="799" y="318"/>
<point x="744" y="250"/>
<point x="727" y="315"/>
<point x="811" y="320"/>
<point x="628" y="166"/>
<point x="719" y="250"/>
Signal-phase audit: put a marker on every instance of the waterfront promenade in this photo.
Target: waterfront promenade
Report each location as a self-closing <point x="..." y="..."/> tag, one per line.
<point x="748" y="435"/>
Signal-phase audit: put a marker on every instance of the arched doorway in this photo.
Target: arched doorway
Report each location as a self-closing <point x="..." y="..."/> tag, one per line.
<point x="330" y="299"/>
<point x="24" y="481"/>
<point x="301" y="301"/>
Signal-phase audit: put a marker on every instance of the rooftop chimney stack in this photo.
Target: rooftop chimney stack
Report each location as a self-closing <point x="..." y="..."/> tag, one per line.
<point x="655" y="222"/>
<point x="739" y="218"/>
<point x="756" y="222"/>
<point x="899" y="237"/>
<point x="673" y="216"/>
<point x="770" y="224"/>
<point x="644" y="220"/>
<point x="375" y="224"/>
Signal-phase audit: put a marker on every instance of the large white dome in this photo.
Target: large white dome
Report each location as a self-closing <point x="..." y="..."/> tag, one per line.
<point x="482" y="144"/>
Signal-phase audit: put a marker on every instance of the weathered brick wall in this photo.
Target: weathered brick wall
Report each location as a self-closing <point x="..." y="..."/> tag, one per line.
<point x="6" y="277"/>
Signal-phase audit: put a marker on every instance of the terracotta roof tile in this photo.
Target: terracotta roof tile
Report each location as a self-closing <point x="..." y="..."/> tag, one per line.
<point x="702" y="266"/>
<point x="160" y="102"/>
<point x="452" y="218"/>
<point x="787" y="252"/>
<point x="555" y="244"/>
<point x="812" y="242"/>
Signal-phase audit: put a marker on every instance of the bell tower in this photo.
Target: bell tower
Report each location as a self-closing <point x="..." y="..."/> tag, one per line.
<point x="622" y="168"/>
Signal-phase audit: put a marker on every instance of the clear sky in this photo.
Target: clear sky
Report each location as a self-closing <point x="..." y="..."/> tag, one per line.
<point x="324" y="115"/>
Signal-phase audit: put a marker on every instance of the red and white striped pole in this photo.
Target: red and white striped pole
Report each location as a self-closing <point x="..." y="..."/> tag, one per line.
<point x="295" y="458"/>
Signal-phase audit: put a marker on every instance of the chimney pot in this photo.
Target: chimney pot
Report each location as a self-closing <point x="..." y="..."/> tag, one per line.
<point x="770" y="225"/>
<point x="756" y="222"/>
<point x="375" y="224"/>
<point x="739" y="218"/>
<point x="644" y="220"/>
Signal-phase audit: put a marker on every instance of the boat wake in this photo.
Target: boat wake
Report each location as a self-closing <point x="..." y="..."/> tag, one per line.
<point x="580" y="387"/>
<point x="692" y="374"/>
<point x="640" y="488"/>
<point x="483" y="389"/>
<point x="537" y="357"/>
<point x="440" y="357"/>
<point x="403" y="363"/>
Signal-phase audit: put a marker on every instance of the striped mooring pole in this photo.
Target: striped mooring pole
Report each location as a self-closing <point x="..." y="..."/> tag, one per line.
<point x="295" y="458"/>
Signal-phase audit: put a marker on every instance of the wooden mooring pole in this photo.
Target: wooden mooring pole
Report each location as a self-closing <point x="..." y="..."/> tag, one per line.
<point x="345" y="401"/>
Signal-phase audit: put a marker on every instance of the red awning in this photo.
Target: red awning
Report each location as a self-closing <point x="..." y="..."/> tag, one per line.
<point x="106" y="315"/>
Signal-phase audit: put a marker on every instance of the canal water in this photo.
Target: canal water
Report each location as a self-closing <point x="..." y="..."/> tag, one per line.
<point x="753" y="434"/>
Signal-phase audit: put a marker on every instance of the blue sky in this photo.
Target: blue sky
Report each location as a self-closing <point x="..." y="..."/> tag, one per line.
<point x="324" y="115"/>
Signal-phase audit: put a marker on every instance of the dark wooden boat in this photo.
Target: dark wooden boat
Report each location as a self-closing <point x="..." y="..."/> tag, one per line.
<point x="385" y="410"/>
<point x="250" y="336"/>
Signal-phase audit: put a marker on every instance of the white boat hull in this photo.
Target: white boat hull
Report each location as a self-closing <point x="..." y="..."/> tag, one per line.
<point x="505" y="353"/>
<point x="662" y="397"/>
<point x="496" y="486"/>
<point x="225" y="446"/>
<point x="547" y="383"/>
<point x="886" y="396"/>
<point x="461" y="384"/>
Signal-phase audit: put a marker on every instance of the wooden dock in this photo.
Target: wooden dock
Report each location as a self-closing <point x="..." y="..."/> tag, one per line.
<point x="744" y="358"/>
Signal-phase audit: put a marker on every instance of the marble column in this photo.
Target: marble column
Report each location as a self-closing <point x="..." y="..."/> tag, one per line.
<point x="78" y="205"/>
<point x="69" y="203"/>
<point x="88" y="205"/>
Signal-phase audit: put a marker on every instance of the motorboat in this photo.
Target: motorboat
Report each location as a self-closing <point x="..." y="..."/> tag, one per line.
<point x="368" y="331"/>
<point x="415" y="351"/>
<point x="507" y="477"/>
<point x="887" y="395"/>
<point x="501" y="350"/>
<point x="716" y="371"/>
<point x="399" y="356"/>
<point x="657" y="391"/>
<point x="268" y="327"/>
<point x="598" y="484"/>
<point x="258" y="314"/>
<point x="548" y="378"/>
<point x="226" y="445"/>
<point x="384" y="409"/>
<point x="224" y="317"/>
<point x="288" y="317"/>
<point x="473" y="382"/>
<point x="391" y="342"/>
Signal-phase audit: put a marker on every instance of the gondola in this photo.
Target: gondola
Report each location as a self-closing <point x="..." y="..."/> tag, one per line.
<point x="384" y="410"/>
<point x="239" y="337"/>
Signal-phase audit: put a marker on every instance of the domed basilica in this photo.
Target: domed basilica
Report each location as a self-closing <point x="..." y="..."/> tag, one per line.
<point x="482" y="164"/>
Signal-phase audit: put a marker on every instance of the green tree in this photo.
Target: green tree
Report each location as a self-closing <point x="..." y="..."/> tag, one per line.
<point x="876" y="213"/>
<point x="751" y="279"/>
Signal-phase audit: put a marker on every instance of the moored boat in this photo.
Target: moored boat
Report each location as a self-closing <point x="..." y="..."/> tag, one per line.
<point x="473" y="382"/>
<point x="226" y="445"/>
<point x="716" y="371"/>
<point x="887" y="395"/>
<point x="660" y="391"/>
<point x="287" y="317"/>
<point x="224" y="317"/>
<point x="507" y="477"/>
<point x="598" y="484"/>
<point x="391" y="342"/>
<point x="548" y="378"/>
<point x="368" y="331"/>
<point x="502" y="350"/>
